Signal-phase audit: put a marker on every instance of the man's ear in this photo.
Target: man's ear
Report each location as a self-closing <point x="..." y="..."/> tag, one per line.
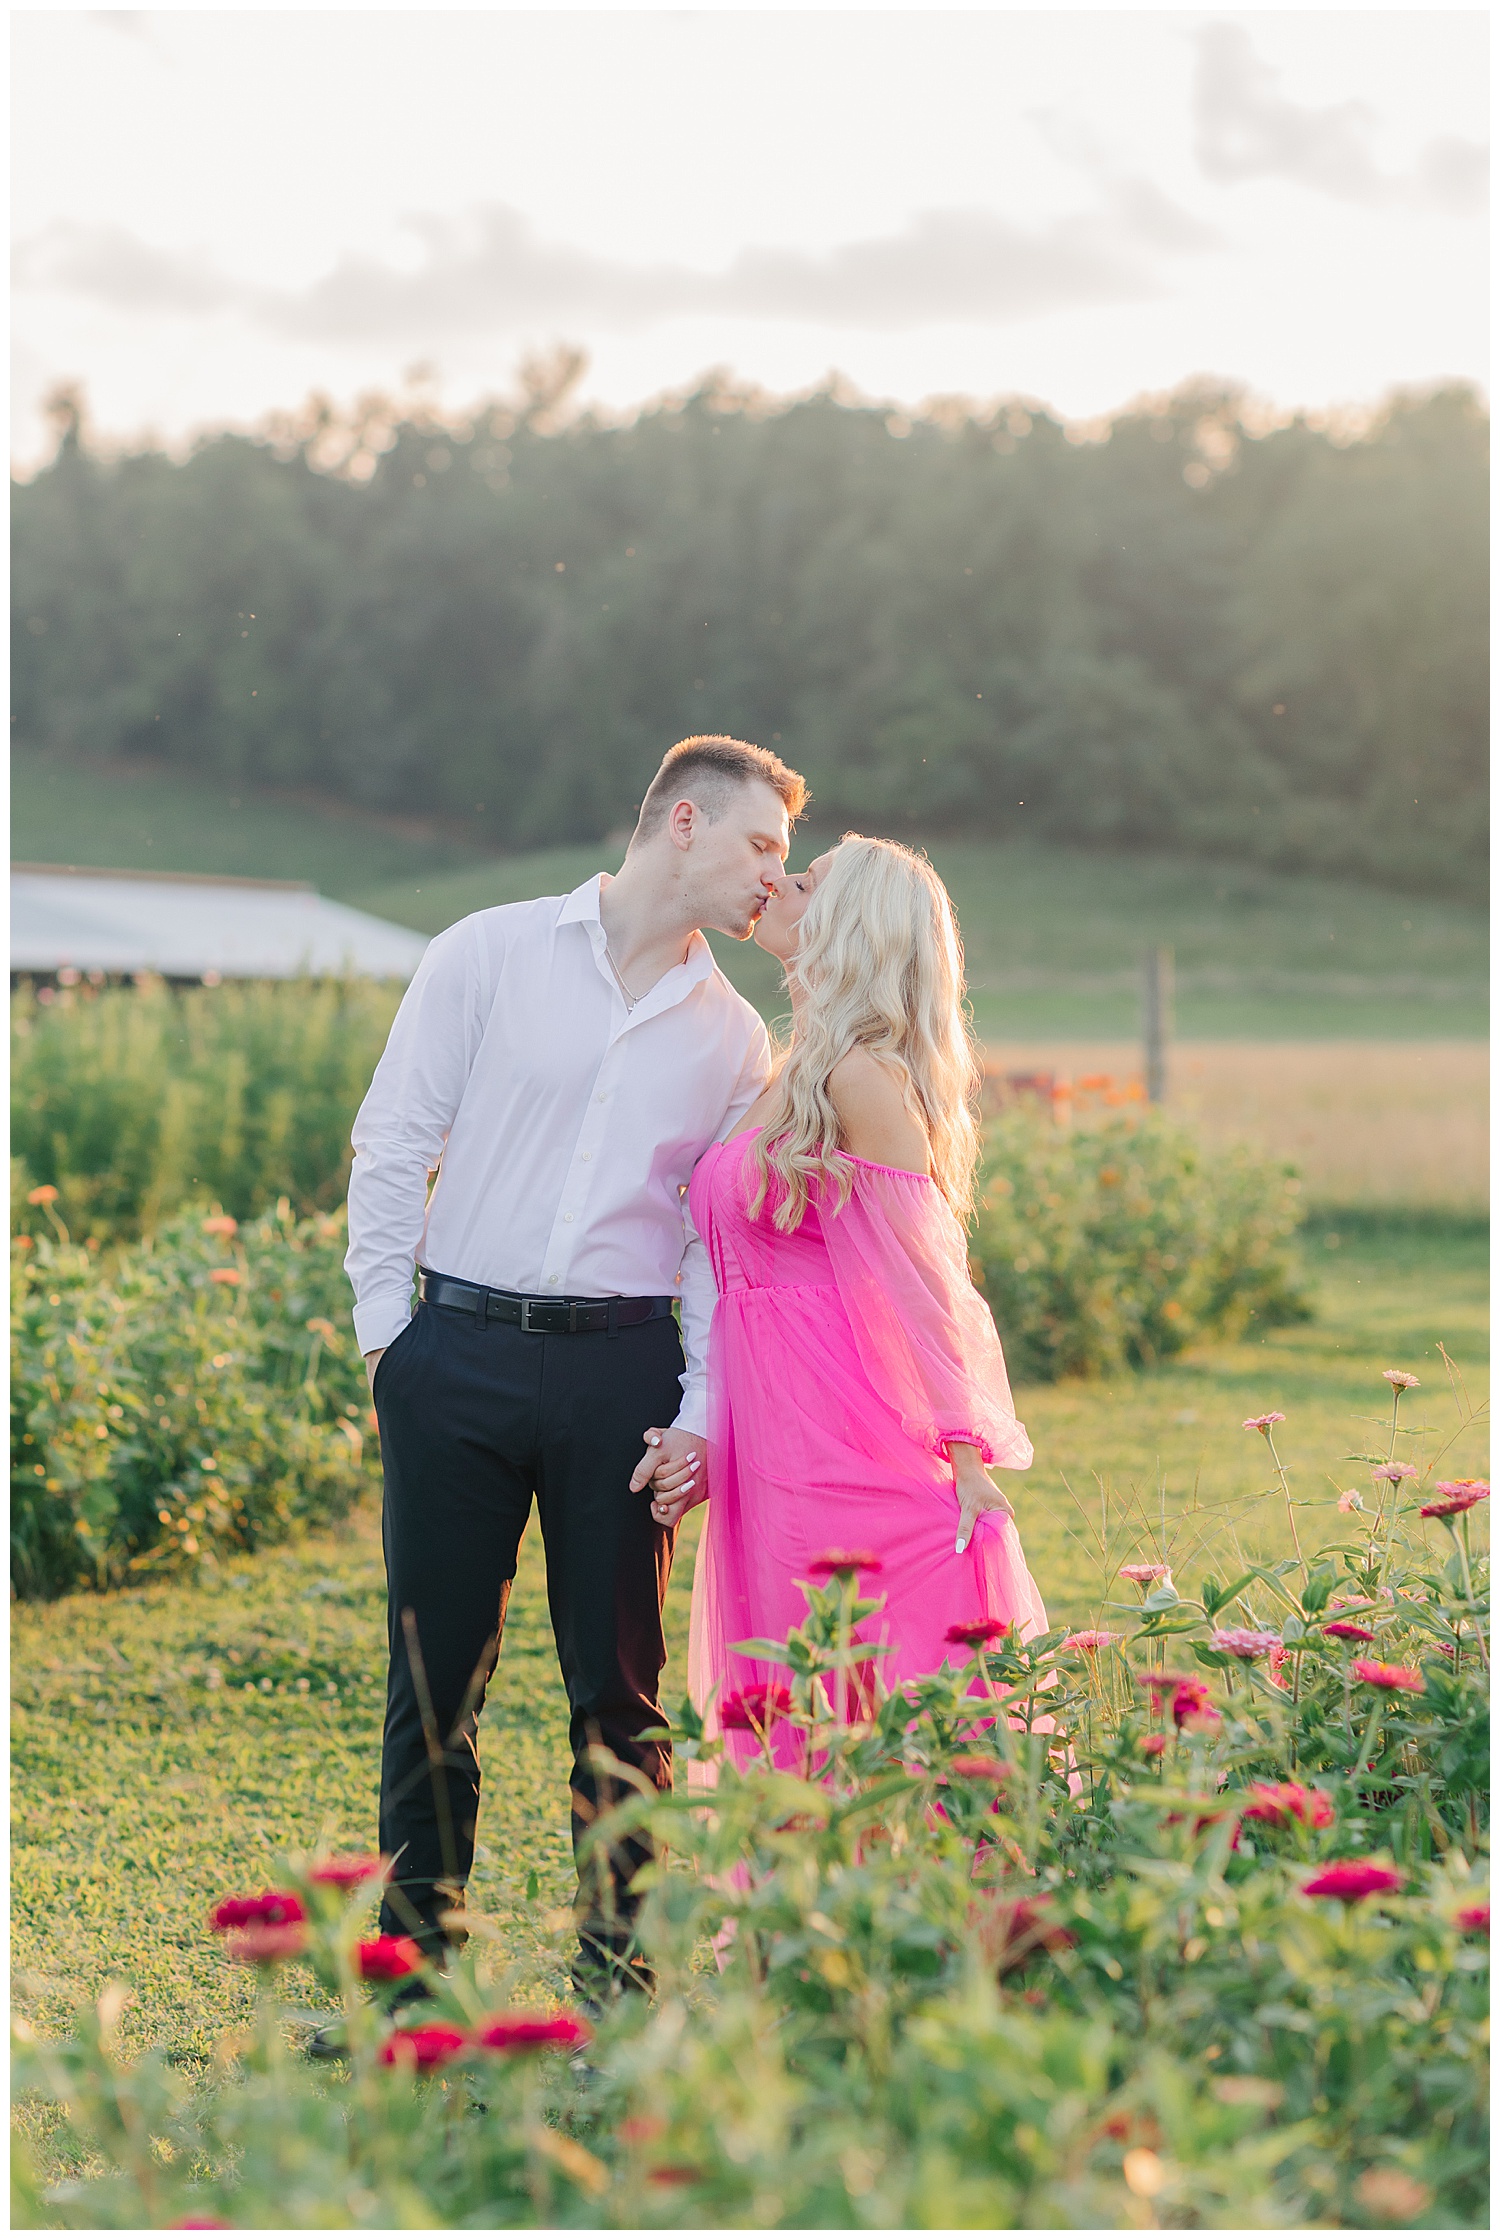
<point x="682" y="820"/>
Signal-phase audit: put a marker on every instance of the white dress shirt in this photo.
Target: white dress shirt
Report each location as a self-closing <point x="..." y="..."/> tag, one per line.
<point x="563" y="1126"/>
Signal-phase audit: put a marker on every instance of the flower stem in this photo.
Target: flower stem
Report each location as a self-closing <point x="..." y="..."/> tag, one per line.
<point x="1286" y="1489"/>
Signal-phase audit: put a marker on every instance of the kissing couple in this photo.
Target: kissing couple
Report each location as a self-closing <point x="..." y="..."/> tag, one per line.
<point x="662" y="1264"/>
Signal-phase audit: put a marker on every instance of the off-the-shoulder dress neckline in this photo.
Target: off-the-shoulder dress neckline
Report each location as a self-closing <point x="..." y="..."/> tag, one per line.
<point x="907" y="1174"/>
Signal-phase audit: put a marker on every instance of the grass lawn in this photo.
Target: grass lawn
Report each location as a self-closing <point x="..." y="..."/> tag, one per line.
<point x="1054" y="935"/>
<point x="168" y="1743"/>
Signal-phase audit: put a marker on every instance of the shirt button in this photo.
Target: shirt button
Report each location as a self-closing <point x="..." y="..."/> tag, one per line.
<point x="585" y="1154"/>
<point x="567" y="1217"/>
<point x="601" y="1098"/>
<point x="554" y="1279"/>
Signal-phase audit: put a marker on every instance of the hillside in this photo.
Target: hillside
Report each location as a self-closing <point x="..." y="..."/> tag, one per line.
<point x="1054" y="935"/>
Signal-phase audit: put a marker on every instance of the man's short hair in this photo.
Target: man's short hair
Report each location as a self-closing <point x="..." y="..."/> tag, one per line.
<point x="706" y="771"/>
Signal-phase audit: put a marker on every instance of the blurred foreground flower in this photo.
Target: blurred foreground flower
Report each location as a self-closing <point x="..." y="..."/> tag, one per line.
<point x="1473" y="1920"/>
<point x="389" y="1959"/>
<point x="751" y="1710"/>
<point x="427" y="2046"/>
<point x="844" y="1563"/>
<point x="977" y="1633"/>
<point x="225" y="1275"/>
<point x="1280" y="1802"/>
<point x="1392" y="1676"/>
<point x="1353" y="1879"/>
<point x="1342" y="1630"/>
<point x="221" y="1225"/>
<point x="533" y="2033"/>
<point x="1091" y="1641"/>
<point x="346" y="1873"/>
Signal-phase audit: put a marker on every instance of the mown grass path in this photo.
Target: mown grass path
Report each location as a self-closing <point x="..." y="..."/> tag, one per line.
<point x="168" y="1743"/>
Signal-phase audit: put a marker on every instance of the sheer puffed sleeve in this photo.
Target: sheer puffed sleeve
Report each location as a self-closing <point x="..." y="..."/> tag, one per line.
<point x="926" y="1339"/>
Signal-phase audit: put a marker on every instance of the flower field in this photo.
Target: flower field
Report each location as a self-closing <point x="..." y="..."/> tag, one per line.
<point x="177" y="1743"/>
<point x="1166" y="1920"/>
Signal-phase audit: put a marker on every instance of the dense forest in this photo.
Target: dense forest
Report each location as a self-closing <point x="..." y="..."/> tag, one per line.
<point x="1186" y="631"/>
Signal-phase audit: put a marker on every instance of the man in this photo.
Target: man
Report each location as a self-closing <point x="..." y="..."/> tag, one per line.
<point x="562" y="1064"/>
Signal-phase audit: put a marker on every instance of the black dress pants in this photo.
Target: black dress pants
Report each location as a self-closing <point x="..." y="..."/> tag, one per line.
<point x="474" y="1422"/>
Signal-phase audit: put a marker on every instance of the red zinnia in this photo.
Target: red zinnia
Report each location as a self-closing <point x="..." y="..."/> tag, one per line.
<point x="1024" y="1926"/>
<point x="1341" y="1630"/>
<point x="1166" y="1683"/>
<point x="261" y="1945"/>
<point x="271" y="1909"/>
<point x="1153" y="1745"/>
<point x="348" y="1873"/>
<point x="533" y="2033"/>
<point x="429" y="2045"/>
<point x="1473" y="1920"/>
<point x="389" y="1959"/>
<point x="1377" y="1675"/>
<point x="1351" y="1880"/>
<point x="751" y="1710"/>
<point x="1455" y="1495"/>
<point x="843" y="1563"/>
<point x="977" y="1633"/>
<point x="1277" y="1802"/>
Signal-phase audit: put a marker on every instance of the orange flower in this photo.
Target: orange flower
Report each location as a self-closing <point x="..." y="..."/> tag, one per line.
<point x="42" y="1195"/>
<point x="225" y="1275"/>
<point x="220" y="1225"/>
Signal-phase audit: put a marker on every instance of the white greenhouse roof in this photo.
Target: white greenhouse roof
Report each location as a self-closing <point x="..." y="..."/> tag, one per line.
<point x="187" y="928"/>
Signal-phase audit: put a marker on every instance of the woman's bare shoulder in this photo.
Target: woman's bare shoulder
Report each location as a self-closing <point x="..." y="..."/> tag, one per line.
<point x="875" y="1120"/>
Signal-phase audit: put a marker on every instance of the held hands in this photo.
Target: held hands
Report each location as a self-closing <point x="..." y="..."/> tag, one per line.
<point x="978" y="1494"/>
<point x="674" y="1467"/>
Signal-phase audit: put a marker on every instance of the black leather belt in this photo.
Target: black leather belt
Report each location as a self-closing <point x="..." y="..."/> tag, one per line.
<point x="549" y="1318"/>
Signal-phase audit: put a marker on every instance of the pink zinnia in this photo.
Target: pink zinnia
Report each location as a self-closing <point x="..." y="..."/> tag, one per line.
<point x="349" y="1873"/>
<point x="270" y="1909"/>
<point x="843" y="1563"/>
<point x="1400" y="1380"/>
<point x="1351" y="1880"/>
<point x="1165" y="1683"/>
<point x="977" y="1633"/>
<point x="1277" y="1802"/>
<point x="1351" y="1502"/>
<point x="1244" y="1642"/>
<point x="1455" y="1495"/>
<point x="1142" y="1573"/>
<point x="1263" y="1423"/>
<point x="1342" y="1630"/>
<point x="1193" y="1707"/>
<point x="533" y="2033"/>
<point x="1377" y="1675"/>
<point x="1153" y="1745"/>
<point x="430" y="2045"/>
<point x="1092" y="1641"/>
<point x="389" y="1959"/>
<point x="1394" y="1472"/>
<point x="1473" y="1920"/>
<point x="752" y="1709"/>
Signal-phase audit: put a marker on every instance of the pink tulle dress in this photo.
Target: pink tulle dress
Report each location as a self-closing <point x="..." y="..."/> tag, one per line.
<point x="841" y="1359"/>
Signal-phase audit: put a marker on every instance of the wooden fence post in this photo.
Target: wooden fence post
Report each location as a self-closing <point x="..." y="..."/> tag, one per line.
<point x="1158" y="1021"/>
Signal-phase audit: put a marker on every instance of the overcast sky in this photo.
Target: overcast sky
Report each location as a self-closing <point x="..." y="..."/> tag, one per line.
<point x="217" y="212"/>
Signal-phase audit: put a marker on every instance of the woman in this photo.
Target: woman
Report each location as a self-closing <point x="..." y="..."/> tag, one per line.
<point x="857" y="1386"/>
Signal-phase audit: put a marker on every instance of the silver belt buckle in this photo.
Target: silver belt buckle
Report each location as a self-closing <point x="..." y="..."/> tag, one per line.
<point x="526" y="1307"/>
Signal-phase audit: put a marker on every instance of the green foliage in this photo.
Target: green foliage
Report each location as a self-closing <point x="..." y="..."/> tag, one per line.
<point x="131" y="1102"/>
<point x="1117" y="1243"/>
<point x="178" y="1399"/>
<point x="1188" y="636"/>
<point x="978" y="1958"/>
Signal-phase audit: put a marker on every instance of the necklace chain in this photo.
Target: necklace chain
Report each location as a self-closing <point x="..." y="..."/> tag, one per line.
<point x="620" y="980"/>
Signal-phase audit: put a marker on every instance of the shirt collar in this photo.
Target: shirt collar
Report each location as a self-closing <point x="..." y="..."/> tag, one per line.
<point x="581" y="907"/>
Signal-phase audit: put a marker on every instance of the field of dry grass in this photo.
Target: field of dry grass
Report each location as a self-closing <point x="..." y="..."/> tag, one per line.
<point x="1366" y="1123"/>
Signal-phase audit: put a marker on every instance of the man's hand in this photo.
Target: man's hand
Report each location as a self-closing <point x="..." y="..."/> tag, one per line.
<point x="674" y="1467"/>
<point x="372" y="1363"/>
<point x="977" y="1492"/>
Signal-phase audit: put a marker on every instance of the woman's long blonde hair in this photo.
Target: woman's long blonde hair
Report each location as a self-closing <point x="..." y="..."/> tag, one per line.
<point x="879" y="967"/>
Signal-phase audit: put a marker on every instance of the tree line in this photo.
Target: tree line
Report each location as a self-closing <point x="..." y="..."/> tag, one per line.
<point x="1186" y="632"/>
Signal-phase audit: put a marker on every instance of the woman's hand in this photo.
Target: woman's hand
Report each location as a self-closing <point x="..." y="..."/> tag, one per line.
<point x="674" y="1467"/>
<point x="978" y="1494"/>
